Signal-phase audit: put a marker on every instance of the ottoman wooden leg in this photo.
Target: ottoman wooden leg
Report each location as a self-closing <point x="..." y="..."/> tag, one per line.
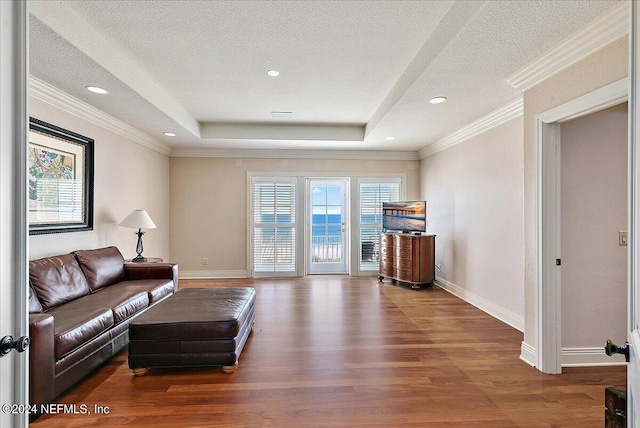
<point x="140" y="372"/>
<point x="230" y="369"/>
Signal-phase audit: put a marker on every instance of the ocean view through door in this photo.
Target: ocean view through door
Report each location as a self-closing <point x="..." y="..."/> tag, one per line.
<point x="328" y="226"/>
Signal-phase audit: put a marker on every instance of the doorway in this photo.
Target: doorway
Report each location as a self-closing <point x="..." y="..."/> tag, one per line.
<point x="593" y="224"/>
<point x="328" y="226"/>
<point x="547" y="322"/>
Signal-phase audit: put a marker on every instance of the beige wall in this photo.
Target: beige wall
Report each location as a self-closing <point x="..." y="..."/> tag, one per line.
<point x="593" y="210"/>
<point x="209" y="204"/>
<point x="474" y="203"/>
<point x="127" y="176"/>
<point x="606" y="66"/>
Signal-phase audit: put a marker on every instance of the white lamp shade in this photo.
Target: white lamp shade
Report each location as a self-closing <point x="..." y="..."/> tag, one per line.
<point x="138" y="219"/>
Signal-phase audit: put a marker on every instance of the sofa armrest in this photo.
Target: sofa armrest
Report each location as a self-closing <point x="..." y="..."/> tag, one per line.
<point x="41" y="358"/>
<point x="152" y="271"/>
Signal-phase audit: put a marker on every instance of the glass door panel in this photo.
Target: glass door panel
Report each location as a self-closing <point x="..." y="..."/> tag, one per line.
<point x="328" y="226"/>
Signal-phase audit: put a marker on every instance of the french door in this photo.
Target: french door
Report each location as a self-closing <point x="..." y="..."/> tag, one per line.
<point x="328" y="226"/>
<point x="273" y="226"/>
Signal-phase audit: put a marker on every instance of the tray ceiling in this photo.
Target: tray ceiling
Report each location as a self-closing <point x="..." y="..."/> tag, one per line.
<point x="353" y="74"/>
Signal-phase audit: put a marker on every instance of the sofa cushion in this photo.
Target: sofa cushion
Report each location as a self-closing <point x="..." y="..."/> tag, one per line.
<point x="75" y="327"/>
<point x="102" y="267"/>
<point x="123" y="301"/>
<point x="85" y="353"/>
<point x="34" y="304"/>
<point x="158" y="289"/>
<point x="57" y="280"/>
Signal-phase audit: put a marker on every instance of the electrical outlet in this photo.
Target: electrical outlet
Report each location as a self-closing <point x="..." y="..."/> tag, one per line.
<point x="438" y="267"/>
<point x="622" y="238"/>
<point x="205" y="261"/>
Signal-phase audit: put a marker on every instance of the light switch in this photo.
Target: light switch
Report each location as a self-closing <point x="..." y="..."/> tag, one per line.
<point x="622" y="238"/>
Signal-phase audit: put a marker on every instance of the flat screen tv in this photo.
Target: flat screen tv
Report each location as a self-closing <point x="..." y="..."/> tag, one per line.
<point x="404" y="216"/>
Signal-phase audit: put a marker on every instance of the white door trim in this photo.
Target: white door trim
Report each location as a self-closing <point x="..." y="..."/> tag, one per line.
<point x="13" y="203"/>
<point x="633" y="310"/>
<point x="547" y="145"/>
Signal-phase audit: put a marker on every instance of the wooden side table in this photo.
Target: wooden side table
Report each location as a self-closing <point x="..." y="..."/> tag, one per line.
<point x="149" y="260"/>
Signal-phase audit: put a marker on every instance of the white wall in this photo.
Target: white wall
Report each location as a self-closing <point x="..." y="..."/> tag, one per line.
<point x="209" y="204"/>
<point x="593" y="211"/>
<point x="127" y="176"/>
<point x="474" y="194"/>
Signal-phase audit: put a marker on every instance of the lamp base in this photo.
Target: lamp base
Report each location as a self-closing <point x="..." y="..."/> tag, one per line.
<point x="139" y="249"/>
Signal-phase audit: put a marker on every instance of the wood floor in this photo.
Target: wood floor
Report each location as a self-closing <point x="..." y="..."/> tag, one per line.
<point x="335" y="351"/>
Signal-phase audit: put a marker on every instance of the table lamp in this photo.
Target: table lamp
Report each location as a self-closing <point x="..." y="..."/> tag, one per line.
<point x="139" y="219"/>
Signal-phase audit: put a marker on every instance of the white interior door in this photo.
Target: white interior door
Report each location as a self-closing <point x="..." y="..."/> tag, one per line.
<point x="328" y="226"/>
<point x="13" y="228"/>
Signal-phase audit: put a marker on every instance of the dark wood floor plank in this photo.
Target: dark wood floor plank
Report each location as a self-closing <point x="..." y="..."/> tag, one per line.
<point x="337" y="351"/>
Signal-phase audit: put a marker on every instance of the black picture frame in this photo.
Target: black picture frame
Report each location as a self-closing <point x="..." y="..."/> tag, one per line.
<point x="60" y="179"/>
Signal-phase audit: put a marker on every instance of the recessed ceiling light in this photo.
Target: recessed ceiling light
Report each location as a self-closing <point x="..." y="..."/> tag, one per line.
<point x="97" y="90"/>
<point x="169" y="134"/>
<point x="437" y="100"/>
<point x="282" y="114"/>
<point x="273" y="73"/>
<point x="389" y="138"/>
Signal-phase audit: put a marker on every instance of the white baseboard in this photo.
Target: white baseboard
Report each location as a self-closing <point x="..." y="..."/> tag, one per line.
<point x="514" y="320"/>
<point x="528" y="354"/>
<point x="212" y="274"/>
<point x="585" y="357"/>
<point x="575" y="357"/>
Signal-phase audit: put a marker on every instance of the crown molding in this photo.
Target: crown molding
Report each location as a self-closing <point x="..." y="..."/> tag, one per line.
<point x="51" y="95"/>
<point x="110" y="55"/>
<point x="296" y="154"/>
<point x="485" y="123"/>
<point x="606" y="29"/>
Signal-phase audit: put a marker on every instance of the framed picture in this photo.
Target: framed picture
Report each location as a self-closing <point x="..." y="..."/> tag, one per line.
<point x="60" y="175"/>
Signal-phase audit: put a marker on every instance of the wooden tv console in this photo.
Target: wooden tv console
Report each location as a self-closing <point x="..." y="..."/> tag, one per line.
<point x="407" y="258"/>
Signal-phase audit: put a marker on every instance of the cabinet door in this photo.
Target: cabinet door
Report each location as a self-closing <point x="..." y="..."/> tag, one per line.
<point x="386" y="239"/>
<point x="386" y="267"/>
<point x="427" y="259"/>
<point x="405" y="275"/>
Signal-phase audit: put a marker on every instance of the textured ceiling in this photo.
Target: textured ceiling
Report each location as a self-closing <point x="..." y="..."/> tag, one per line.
<point x="352" y="72"/>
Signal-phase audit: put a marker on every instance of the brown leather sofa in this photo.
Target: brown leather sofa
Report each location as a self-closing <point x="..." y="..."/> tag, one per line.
<point x="80" y="306"/>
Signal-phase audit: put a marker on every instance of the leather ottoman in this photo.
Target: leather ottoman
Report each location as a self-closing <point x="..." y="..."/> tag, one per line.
<point x="195" y="327"/>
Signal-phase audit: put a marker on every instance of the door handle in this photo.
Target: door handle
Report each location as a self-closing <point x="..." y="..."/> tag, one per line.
<point x="610" y="348"/>
<point x="7" y="344"/>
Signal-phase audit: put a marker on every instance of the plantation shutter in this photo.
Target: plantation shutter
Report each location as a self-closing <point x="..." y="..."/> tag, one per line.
<point x="373" y="192"/>
<point x="274" y="226"/>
